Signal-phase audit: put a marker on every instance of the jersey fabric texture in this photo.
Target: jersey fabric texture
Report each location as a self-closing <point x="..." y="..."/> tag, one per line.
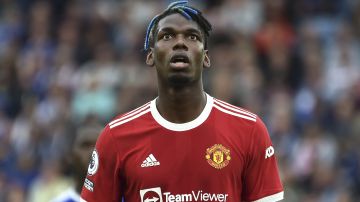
<point x="225" y="154"/>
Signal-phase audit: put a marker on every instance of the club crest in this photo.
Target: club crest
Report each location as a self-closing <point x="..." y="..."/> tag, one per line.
<point x="218" y="156"/>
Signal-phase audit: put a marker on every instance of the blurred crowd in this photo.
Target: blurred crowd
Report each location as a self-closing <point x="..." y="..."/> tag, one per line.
<point x="65" y="64"/>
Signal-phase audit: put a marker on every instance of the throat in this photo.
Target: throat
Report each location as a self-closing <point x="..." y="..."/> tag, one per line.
<point x="181" y="108"/>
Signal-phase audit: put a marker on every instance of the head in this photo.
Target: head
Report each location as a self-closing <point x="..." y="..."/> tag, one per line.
<point x="176" y="44"/>
<point x="83" y="145"/>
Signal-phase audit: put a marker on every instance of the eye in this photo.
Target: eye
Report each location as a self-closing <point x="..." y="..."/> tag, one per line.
<point x="193" y="37"/>
<point x="166" y="36"/>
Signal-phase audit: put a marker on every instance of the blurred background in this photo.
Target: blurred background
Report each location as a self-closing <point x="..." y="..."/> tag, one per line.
<point x="68" y="63"/>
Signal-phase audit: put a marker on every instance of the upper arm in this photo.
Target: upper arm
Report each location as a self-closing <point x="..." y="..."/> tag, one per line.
<point x="261" y="177"/>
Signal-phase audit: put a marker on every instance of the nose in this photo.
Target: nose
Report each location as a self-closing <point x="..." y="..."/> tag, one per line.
<point x="180" y="44"/>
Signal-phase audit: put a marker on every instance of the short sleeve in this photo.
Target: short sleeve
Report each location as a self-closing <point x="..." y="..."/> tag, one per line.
<point x="102" y="182"/>
<point x="261" y="178"/>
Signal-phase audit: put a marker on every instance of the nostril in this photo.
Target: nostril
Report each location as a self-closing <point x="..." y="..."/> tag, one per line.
<point x="180" y="45"/>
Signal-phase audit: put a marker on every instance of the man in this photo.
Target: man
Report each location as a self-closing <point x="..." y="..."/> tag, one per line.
<point x="83" y="145"/>
<point x="184" y="145"/>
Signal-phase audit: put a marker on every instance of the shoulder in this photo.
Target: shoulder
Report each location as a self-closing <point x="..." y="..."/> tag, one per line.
<point x="129" y="116"/>
<point x="234" y="112"/>
<point x="240" y="120"/>
<point x="122" y="126"/>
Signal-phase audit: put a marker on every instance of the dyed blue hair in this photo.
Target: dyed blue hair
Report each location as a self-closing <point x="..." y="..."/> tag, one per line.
<point x="183" y="9"/>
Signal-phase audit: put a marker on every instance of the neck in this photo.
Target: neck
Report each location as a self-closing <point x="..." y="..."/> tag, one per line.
<point x="181" y="105"/>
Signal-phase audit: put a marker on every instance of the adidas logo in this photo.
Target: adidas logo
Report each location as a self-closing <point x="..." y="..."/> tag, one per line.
<point x="150" y="161"/>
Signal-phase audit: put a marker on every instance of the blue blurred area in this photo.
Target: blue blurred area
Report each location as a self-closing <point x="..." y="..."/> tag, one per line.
<point x="66" y="63"/>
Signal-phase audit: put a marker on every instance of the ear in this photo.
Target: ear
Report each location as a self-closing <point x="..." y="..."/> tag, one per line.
<point x="207" y="63"/>
<point x="150" y="58"/>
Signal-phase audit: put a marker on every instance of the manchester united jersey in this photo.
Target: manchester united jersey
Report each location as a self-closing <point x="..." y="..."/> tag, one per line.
<point x="225" y="154"/>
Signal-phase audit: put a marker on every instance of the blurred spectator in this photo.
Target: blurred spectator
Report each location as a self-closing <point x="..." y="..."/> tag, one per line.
<point x="244" y="16"/>
<point x="342" y="64"/>
<point x="79" y="157"/>
<point x="49" y="184"/>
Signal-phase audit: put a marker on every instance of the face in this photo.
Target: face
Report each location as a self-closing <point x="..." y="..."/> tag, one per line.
<point x="82" y="150"/>
<point x="178" y="53"/>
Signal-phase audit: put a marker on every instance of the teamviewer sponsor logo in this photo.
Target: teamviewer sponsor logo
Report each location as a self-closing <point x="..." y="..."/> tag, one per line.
<point x="155" y="194"/>
<point x="151" y="195"/>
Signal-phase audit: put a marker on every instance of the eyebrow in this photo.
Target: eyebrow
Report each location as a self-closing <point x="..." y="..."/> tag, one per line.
<point x="193" y="30"/>
<point x="188" y="30"/>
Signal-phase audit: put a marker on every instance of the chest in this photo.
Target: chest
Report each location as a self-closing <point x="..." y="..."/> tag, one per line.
<point x="208" y="159"/>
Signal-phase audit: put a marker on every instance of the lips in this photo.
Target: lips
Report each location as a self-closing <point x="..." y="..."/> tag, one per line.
<point x="179" y="61"/>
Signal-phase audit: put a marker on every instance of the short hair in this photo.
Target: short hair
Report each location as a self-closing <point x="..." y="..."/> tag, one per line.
<point x="183" y="9"/>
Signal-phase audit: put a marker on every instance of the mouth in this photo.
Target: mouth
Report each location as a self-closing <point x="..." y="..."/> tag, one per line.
<point x="179" y="61"/>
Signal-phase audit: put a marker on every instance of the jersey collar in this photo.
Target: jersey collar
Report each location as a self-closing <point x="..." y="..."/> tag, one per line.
<point x="182" y="126"/>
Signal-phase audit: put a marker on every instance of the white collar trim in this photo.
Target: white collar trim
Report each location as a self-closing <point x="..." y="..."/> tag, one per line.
<point x="182" y="126"/>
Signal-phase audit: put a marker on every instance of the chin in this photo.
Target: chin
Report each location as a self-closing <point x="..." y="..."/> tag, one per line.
<point x="179" y="80"/>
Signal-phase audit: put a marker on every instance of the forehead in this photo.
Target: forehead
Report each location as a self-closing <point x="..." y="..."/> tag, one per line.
<point x="177" y="22"/>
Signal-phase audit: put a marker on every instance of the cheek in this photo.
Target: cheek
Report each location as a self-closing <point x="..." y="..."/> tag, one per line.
<point x="160" y="52"/>
<point x="199" y="55"/>
<point x="159" y="56"/>
<point x="197" y="49"/>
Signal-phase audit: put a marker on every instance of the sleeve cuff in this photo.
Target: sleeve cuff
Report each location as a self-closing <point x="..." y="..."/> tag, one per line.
<point x="272" y="198"/>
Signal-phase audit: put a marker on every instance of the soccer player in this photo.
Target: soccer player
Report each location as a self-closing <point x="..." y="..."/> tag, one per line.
<point x="184" y="145"/>
<point x="82" y="147"/>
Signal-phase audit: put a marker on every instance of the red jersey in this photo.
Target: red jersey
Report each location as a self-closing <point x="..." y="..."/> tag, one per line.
<point x="225" y="154"/>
